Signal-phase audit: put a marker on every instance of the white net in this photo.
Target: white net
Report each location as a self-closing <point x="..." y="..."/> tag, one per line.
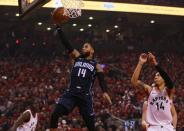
<point x="72" y="8"/>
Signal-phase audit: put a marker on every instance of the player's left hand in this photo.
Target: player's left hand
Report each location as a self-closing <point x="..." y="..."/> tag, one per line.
<point x="107" y="97"/>
<point x="152" y="59"/>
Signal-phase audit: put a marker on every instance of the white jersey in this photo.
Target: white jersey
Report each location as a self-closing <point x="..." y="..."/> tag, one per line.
<point x="30" y="125"/>
<point x="159" y="108"/>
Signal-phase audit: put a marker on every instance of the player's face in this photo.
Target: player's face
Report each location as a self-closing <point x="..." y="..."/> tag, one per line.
<point x="158" y="79"/>
<point x="87" y="49"/>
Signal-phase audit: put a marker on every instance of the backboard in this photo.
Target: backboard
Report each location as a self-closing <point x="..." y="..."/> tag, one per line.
<point x="27" y="6"/>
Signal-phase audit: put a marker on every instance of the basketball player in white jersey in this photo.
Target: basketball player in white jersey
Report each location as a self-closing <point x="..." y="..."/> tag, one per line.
<point x="27" y="121"/>
<point x="145" y="125"/>
<point x="158" y="116"/>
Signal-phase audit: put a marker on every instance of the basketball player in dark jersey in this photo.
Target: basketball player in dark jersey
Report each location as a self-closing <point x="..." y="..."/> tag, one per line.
<point x="79" y="93"/>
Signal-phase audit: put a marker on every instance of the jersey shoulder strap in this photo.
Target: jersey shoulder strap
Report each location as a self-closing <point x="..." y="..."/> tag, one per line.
<point x="152" y="90"/>
<point x="28" y="110"/>
<point x="36" y="116"/>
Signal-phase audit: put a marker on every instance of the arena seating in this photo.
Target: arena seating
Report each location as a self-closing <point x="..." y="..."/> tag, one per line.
<point x="41" y="74"/>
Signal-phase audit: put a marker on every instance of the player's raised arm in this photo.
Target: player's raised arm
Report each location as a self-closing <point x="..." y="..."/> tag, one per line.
<point x="168" y="82"/>
<point x="102" y="82"/>
<point x="24" y="117"/>
<point x="73" y="52"/>
<point x="135" y="77"/>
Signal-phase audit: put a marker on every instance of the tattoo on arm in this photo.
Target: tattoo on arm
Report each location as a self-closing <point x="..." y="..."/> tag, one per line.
<point x="146" y="87"/>
<point x="142" y="84"/>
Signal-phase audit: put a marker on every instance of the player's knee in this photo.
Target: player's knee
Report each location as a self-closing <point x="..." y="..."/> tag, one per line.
<point x="92" y="118"/>
<point x="54" y="120"/>
<point x="54" y="115"/>
<point x="58" y="112"/>
<point x="87" y="116"/>
<point x="90" y="121"/>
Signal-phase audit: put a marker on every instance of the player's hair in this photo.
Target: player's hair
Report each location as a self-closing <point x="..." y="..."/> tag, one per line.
<point x="87" y="42"/>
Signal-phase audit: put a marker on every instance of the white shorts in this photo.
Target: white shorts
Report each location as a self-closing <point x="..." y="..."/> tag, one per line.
<point x="161" y="128"/>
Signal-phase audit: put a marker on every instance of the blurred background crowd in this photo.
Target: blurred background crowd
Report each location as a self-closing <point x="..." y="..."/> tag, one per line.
<point x="35" y="72"/>
<point x="35" y="69"/>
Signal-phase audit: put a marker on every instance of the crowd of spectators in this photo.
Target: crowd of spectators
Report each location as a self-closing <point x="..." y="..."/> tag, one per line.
<point x="34" y="71"/>
<point x="25" y="82"/>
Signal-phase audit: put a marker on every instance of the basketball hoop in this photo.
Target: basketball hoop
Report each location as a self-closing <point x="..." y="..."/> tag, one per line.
<point x="72" y="8"/>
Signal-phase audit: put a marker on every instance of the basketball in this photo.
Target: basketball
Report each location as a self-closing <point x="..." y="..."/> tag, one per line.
<point x="58" y="16"/>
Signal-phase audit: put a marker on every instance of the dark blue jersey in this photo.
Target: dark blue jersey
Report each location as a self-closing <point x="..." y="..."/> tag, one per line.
<point x="82" y="76"/>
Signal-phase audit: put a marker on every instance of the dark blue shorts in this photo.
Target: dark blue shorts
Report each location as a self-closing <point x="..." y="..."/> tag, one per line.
<point x="83" y="102"/>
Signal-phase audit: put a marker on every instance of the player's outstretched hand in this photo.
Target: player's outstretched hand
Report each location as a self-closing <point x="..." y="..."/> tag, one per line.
<point x="152" y="59"/>
<point x="107" y="97"/>
<point x="143" y="58"/>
